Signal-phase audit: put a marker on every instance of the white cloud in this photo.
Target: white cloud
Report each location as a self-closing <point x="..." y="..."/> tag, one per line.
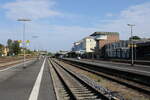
<point x="33" y="9"/>
<point x="65" y="36"/>
<point x="138" y="15"/>
<point x="56" y="37"/>
<point x="109" y="15"/>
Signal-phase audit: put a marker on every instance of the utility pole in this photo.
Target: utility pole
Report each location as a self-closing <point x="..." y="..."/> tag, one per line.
<point x="24" y="41"/>
<point x="131" y="41"/>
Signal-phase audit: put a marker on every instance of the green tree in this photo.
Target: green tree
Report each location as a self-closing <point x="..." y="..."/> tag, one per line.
<point x="16" y="48"/>
<point x="9" y="45"/>
<point x="1" y="49"/>
<point x="50" y="54"/>
<point x="135" y="38"/>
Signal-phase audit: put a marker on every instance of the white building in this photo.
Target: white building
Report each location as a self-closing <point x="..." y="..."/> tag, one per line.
<point x="87" y="45"/>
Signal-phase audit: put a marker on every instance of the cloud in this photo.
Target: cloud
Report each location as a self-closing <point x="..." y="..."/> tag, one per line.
<point x="63" y="37"/>
<point x="55" y="37"/>
<point x="138" y="15"/>
<point x="109" y="15"/>
<point x="34" y="9"/>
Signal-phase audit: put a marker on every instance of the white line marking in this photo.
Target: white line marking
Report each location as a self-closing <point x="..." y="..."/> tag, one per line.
<point x="35" y="91"/>
<point x="14" y="66"/>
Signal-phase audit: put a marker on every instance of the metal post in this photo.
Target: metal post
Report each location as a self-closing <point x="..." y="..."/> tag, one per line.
<point x="93" y="55"/>
<point x="132" y="46"/>
<point x="135" y="52"/>
<point x="35" y="48"/>
<point x="132" y="51"/>
<point x="24" y="45"/>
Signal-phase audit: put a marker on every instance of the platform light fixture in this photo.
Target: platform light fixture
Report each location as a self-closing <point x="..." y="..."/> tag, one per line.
<point x="24" y="41"/>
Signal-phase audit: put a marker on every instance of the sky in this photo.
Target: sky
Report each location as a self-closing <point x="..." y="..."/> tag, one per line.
<point x="56" y="24"/>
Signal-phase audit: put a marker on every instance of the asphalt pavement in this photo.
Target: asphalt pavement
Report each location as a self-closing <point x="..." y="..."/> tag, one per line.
<point x="32" y="83"/>
<point x="139" y="69"/>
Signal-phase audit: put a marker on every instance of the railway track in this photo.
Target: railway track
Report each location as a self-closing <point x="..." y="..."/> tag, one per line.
<point x="134" y="84"/>
<point x="72" y="86"/>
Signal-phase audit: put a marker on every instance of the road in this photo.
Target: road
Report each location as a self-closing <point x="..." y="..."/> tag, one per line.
<point x="32" y="83"/>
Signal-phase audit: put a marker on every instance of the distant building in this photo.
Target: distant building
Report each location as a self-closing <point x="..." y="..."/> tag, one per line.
<point x="122" y="49"/>
<point x="78" y="46"/>
<point x="85" y="45"/>
<point x="143" y="50"/>
<point x="89" y="44"/>
<point x="118" y="49"/>
<point x="103" y="38"/>
<point x="43" y="52"/>
<point x="5" y="51"/>
<point x="61" y="54"/>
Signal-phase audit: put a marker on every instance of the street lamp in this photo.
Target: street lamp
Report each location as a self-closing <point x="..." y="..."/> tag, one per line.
<point x="35" y="37"/>
<point x="24" y="42"/>
<point x="132" y="59"/>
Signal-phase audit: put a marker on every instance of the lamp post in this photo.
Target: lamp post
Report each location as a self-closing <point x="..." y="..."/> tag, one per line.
<point x="24" y="42"/>
<point x="35" y="48"/>
<point x="35" y="37"/>
<point x="132" y="59"/>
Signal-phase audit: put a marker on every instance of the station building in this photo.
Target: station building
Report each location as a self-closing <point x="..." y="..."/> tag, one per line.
<point x="86" y="45"/>
<point x="143" y="50"/>
<point x="122" y="49"/>
<point x="118" y="49"/>
<point x="103" y="38"/>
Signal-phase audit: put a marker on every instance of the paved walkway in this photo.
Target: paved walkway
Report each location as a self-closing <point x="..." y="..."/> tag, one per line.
<point x="139" y="69"/>
<point x="31" y="83"/>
